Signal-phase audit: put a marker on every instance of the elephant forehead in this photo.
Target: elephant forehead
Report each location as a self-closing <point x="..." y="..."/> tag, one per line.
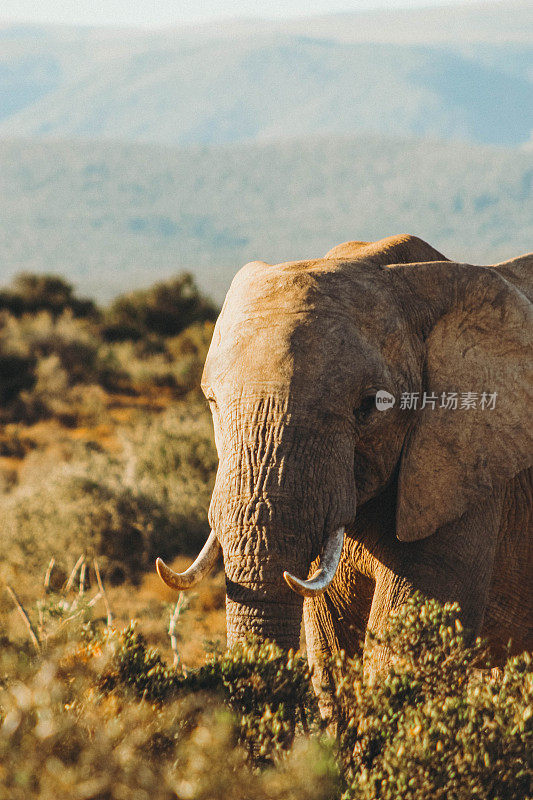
<point x="262" y="294"/>
<point x="264" y="348"/>
<point x="304" y="284"/>
<point x="270" y="291"/>
<point x="311" y="324"/>
<point x="316" y="353"/>
<point x="255" y="332"/>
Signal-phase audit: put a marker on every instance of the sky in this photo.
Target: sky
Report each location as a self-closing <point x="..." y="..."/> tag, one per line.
<point x="159" y="13"/>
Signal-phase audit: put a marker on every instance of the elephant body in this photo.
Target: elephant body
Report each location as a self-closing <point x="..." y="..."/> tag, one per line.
<point x="377" y="573"/>
<point x="432" y="499"/>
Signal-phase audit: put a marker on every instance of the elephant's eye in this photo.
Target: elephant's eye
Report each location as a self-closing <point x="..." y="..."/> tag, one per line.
<point x="365" y="408"/>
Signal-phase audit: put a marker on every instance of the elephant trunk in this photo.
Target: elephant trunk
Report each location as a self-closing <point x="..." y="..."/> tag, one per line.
<point x="260" y="604"/>
<point x="278" y="623"/>
<point x="282" y="494"/>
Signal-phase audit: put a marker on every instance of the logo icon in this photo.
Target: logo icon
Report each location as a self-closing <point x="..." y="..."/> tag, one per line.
<point x="384" y="400"/>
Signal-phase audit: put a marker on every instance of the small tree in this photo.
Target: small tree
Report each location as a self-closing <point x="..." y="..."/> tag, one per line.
<point x="164" y="309"/>
<point x="30" y="293"/>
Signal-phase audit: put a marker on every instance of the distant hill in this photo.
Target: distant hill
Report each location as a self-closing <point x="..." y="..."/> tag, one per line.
<point x="112" y="216"/>
<point x="463" y="73"/>
<point x="467" y="23"/>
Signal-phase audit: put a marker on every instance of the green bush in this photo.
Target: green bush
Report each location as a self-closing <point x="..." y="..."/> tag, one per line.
<point x="269" y="691"/>
<point x="150" y="499"/>
<point x="31" y="293"/>
<point x="104" y="716"/>
<point x="165" y="309"/>
<point x="435" y="726"/>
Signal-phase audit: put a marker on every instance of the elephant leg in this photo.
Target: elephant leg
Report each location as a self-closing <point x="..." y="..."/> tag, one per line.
<point x="391" y="592"/>
<point x="321" y="642"/>
<point x="454" y="564"/>
<point x="336" y="621"/>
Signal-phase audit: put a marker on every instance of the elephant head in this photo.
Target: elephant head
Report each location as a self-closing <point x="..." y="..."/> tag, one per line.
<point x="299" y="352"/>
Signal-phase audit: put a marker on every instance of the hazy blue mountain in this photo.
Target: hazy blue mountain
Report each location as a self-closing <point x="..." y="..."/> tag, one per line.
<point x="456" y="74"/>
<point x="112" y="216"/>
<point x="471" y="22"/>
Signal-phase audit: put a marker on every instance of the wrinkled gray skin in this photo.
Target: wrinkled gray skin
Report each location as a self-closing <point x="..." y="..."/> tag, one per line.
<point x="432" y="500"/>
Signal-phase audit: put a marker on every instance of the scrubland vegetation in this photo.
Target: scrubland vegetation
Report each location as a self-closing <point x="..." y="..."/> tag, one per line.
<point x="106" y="454"/>
<point x="101" y="715"/>
<point x="107" y="446"/>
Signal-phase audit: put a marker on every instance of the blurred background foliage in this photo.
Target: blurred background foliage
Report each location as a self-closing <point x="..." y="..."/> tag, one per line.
<point x="124" y="153"/>
<point x="107" y="447"/>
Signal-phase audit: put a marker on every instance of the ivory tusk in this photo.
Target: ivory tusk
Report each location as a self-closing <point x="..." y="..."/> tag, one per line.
<point x="321" y="579"/>
<point x="203" y="564"/>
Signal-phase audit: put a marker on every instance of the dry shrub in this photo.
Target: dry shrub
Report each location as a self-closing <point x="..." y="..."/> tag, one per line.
<point x="103" y="716"/>
<point x="172" y="458"/>
<point x="45" y="361"/>
<point x="145" y="364"/>
<point x="62" y="737"/>
<point x="150" y="499"/>
<point x="435" y="727"/>
<point x="42" y="335"/>
<point x="69" y="514"/>
<point x="49" y="349"/>
<point x="165" y="309"/>
<point x="30" y="293"/>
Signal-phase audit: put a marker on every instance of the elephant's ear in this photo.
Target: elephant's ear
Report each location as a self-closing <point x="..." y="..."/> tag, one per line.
<point x="478" y="336"/>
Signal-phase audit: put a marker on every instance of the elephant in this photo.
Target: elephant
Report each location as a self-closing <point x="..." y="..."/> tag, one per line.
<point x="334" y="507"/>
